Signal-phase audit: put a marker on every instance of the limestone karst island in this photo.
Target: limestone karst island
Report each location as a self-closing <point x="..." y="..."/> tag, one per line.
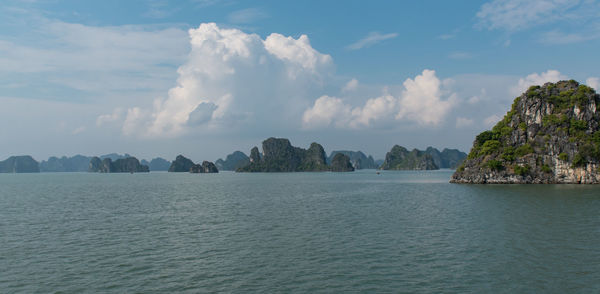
<point x="550" y="135"/>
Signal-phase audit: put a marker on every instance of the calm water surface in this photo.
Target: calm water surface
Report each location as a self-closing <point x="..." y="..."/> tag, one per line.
<point x="302" y="232"/>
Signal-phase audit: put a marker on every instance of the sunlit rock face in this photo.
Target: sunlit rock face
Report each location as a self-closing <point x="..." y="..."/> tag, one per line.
<point x="550" y="135"/>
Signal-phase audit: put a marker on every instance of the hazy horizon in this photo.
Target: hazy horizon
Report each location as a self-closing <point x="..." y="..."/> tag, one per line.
<point x="206" y="78"/>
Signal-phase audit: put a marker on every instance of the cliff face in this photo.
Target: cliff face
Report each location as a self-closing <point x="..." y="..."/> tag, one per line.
<point x="280" y="156"/>
<point x="550" y="135"/>
<point x="358" y="159"/>
<point x="233" y="161"/>
<point x="124" y="165"/>
<point x="19" y="164"/>
<point x="399" y="158"/>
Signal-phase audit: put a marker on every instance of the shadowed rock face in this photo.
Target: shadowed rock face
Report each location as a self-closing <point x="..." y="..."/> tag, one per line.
<point x="399" y="158"/>
<point x="124" y="165"/>
<point x="550" y="135"/>
<point x="280" y="156"/>
<point x="205" y="167"/>
<point x="181" y="164"/>
<point x="233" y="161"/>
<point x="19" y="164"/>
<point x="341" y="163"/>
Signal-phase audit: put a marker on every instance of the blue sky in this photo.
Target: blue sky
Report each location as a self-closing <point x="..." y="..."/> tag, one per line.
<point x="205" y="78"/>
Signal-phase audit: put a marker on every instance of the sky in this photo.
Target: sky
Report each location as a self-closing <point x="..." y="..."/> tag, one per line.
<point x="204" y="78"/>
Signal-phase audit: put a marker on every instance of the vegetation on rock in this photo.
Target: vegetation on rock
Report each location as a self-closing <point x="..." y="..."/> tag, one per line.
<point x="550" y="135"/>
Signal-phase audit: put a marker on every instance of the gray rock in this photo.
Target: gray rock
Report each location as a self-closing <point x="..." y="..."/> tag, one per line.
<point x="550" y="135"/>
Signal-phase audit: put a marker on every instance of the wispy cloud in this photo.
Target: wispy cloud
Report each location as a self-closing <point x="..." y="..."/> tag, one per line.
<point x="515" y="15"/>
<point x="371" y="39"/>
<point x="248" y="15"/>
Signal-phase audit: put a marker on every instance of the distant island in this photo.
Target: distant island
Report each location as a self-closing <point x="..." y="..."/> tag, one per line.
<point x="19" y="164"/>
<point x="399" y="158"/>
<point x="122" y="165"/>
<point x="358" y="159"/>
<point x="183" y="164"/>
<point x="233" y="161"/>
<point x="550" y="135"/>
<point x="280" y="156"/>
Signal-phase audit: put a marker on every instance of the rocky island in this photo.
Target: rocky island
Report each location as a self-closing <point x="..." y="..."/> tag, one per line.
<point x="550" y="135"/>
<point x="233" y="161"/>
<point x="123" y="165"/>
<point x="183" y="164"/>
<point x="399" y="158"/>
<point x="19" y="164"/>
<point x="358" y="159"/>
<point x="280" y="156"/>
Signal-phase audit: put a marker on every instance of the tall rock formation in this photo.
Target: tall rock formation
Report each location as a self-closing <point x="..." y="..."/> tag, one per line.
<point x="550" y="135"/>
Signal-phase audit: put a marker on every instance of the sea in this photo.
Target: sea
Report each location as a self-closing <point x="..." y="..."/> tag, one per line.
<point x="357" y="232"/>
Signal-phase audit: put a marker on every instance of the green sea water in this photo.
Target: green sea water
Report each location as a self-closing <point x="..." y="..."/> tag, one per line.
<point x="397" y="232"/>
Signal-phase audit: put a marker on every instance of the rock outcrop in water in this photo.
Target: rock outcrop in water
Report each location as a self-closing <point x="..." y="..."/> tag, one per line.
<point x="399" y="158"/>
<point x="448" y="158"/>
<point x="233" y="161"/>
<point x="280" y="156"/>
<point x="157" y="164"/>
<point x="205" y="167"/>
<point x="358" y="159"/>
<point x="183" y="164"/>
<point x="550" y="135"/>
<point x="19" y="164"/>
<point x="123" y="165"/>
<point x="341" y="163"/>
<point x="77" y="163"/>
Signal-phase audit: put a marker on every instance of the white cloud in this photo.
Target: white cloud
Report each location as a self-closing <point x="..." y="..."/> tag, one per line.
<point x="352" y="85"/>
<point x="326" y="111"/>
<point x="371" y="39"/>
<point x="245" y="80"/>
<point x="593" y="82"/>
<point x="462" y="122"/>
<point x="248" y="15"/>
<point x="422" y="102"/>
<point x="534" y="79"/>
<point x="115" y="116"/>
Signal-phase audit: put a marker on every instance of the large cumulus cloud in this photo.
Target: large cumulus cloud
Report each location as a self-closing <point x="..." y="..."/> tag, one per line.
<point x="232" y="78"/>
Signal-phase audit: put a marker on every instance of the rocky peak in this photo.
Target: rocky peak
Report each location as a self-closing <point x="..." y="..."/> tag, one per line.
<point x="550" y="135"/>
